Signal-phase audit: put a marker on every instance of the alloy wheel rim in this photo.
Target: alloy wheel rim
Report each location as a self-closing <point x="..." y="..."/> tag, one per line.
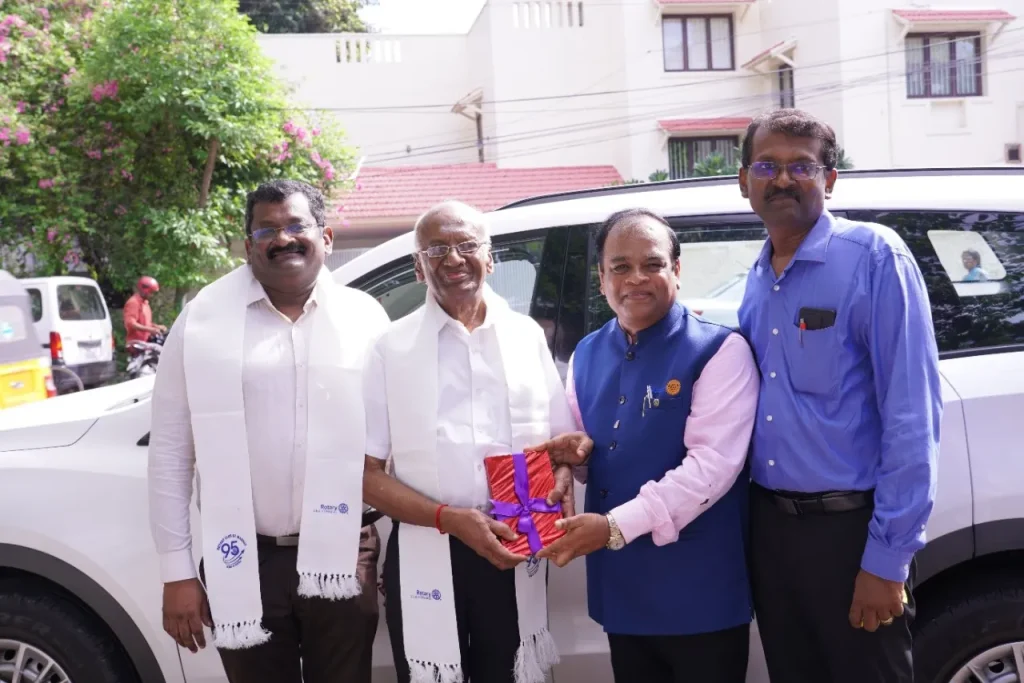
<point x="24" y="663"/>
<point x="1000" y="664"/>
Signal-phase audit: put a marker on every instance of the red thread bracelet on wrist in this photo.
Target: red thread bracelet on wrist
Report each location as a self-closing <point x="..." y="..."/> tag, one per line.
<point x="437" y="517"/>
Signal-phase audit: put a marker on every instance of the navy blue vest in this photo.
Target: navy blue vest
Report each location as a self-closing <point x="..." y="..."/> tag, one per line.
<point x="699" y="583"/>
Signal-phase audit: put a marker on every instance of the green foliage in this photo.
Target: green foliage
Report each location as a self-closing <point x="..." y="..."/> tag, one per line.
<point x="845" y="162"/>
<point x="658" y="176"/>
<point x="304" y="16"/>
<point x="714" y="165"/>
<point x="106" y="127"/>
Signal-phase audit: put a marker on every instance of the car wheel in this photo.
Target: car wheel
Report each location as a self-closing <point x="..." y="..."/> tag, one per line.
<point x="976" y="636"/>
<point x="47" y="638"/>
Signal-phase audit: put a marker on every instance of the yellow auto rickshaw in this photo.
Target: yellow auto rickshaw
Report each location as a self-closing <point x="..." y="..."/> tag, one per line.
<point x="25" y="371"/>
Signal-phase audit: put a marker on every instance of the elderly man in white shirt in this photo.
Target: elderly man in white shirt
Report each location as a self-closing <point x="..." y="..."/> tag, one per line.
<point x="462" y="378"/>
<point x="259" y="393"/>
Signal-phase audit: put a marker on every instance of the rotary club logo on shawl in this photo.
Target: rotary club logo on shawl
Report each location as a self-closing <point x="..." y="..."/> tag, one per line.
<point x="232" y="550"/>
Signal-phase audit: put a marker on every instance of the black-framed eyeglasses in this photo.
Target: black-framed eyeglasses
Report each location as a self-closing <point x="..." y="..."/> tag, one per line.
<point x="464" y="248"/>
<point x="798" y="170"/>
<point x="295" y="230"/>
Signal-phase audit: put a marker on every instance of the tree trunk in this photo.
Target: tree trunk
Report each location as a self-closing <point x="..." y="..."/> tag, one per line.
<point x="211" y="161"/>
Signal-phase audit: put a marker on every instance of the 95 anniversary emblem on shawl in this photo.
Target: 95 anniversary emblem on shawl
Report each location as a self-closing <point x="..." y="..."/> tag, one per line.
<point x="232" y="550"/>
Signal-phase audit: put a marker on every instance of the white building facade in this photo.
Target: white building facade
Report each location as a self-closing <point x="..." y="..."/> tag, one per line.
<point x="655" y="86"/>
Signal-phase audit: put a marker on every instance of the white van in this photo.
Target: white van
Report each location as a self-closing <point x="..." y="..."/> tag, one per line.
<point x="73" y="322"/>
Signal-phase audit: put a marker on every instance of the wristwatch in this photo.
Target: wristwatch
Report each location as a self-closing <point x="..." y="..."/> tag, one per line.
<point x="615" y="539"/>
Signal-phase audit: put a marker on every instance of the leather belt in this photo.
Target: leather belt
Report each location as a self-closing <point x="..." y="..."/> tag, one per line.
<point x="830" y="502"/>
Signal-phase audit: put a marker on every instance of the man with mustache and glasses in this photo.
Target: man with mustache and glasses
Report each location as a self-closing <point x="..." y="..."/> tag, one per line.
<point x="843" y="457"/>
<point x="462" y="378"/>
<point x="259" y="392"/>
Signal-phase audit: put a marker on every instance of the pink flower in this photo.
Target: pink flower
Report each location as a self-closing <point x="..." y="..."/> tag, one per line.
<point x="301" y="133"/>
<point x="315" y="132"/>
<point x="45" y="184"/>
<point x="317" y="159"/>
<point x="120" y="210"/>
<point x="94" y="154"/>
<point x="329" y="173"/>
<point x="289" y="127"/>
<point x="106" y="89"/>
<point x="51" y="234"/>
<point x="20" y="107"/>
<point x="22" y="137"/>
<point x="5" y="136"/>
<point x="108" y="126"/>
<point x="44" y="13"/>
<point x="125" y="174"/>
<point x="52" y="150"/>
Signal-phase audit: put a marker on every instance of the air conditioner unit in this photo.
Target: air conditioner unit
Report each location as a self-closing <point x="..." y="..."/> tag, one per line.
<point x="1012" y="154"/>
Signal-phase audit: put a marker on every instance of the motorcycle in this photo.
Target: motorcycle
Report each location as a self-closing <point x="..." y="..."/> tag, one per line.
<point x="145" y="356"/>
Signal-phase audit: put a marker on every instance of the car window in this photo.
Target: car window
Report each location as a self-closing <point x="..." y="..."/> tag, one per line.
<point x="13" y="325"/>
<point x="516" y="265"/>
<point x="80" y="302"/>
<point x="973" y="264"/>
<point x="715" y="254"/>
<point x="36" y="299"/>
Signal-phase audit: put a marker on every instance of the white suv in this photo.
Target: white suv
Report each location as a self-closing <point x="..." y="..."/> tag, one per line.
<point x="79" y="582"/>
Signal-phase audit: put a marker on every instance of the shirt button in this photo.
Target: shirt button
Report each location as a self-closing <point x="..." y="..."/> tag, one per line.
<point x="772" y="374"/>
<point x="769" y="418"/>
<point x="775" y="331"/>
<point x="622" y="399"/>
<point x="612" y="445"/>
<point x="771" y="463"/>
<point x="776" y="288"/>
<point x="616" y="425"/>
<point x="629" y="355"/>
<point x="604" y="493"/>
<point x="479" y="467"/>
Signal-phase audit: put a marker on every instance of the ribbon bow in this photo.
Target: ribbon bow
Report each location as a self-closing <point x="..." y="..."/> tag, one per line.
<point x="524" y="509"/>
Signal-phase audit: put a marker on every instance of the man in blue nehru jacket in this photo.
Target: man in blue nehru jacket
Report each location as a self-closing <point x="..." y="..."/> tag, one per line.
<point x="669" y="401"/>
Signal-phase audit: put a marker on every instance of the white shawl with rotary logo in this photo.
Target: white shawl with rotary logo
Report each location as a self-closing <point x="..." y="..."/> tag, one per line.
<point x="345" y="324"/>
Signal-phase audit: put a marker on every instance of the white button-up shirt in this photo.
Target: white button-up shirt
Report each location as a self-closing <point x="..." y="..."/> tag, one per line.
<point x="274" y="390"/>
<point x="473" y="420"/>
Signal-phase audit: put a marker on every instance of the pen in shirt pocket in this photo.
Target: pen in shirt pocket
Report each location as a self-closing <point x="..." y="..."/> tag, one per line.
<point x="803" y="326"/>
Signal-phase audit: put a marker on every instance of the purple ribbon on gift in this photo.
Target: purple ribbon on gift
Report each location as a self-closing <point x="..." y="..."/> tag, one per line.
<point x="525" y="507"/>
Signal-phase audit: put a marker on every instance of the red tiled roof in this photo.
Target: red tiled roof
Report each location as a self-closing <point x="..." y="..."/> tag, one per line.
<point x="704" y="125"/>
<point x="402" y="191"/>
<point x="764" y="53"/>
<point x="953" y="15"/>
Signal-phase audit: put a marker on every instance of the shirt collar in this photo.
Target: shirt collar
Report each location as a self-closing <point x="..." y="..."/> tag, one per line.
<point x="813" y="247"/>
<point x="438" y="318"/>
<point x="257" y="293"/>
<point x="659" y="329"/>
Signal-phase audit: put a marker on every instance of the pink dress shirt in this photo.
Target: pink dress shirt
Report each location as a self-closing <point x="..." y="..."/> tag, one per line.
<point x="717" y="438"/>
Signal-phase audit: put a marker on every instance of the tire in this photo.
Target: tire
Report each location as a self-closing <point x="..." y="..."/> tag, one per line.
<point x="64" y="632"/>
<point x="984" y="614"/>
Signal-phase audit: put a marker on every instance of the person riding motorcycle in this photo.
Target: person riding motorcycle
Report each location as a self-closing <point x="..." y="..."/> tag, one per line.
<point x="138" y="316"/>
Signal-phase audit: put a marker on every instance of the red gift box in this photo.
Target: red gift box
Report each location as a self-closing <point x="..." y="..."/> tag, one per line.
<point x="520" y="484"/>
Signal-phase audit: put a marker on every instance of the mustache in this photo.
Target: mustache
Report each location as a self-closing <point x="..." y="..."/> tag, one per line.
<point x="289" y="249"/>
<point x="771" y="193"/>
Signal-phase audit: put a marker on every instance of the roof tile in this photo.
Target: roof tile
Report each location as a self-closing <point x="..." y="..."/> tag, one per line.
<point x="402" y="191"/>
<point x="953" y="15"/>
<point x="705" y="125"/>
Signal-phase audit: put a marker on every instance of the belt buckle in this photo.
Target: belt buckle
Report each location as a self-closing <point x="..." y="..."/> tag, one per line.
<point x="287" y="541"/>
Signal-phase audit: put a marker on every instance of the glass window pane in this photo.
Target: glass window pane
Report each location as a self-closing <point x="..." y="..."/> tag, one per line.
<point x="80" y="302"/>
<point x="915" y="67"/>
<point x="939" y="58"/>
<point x="696" y="44"/>
<point x="721" y="43"/>
<point x="672" y="38"/>
<point x="966" y="66"/>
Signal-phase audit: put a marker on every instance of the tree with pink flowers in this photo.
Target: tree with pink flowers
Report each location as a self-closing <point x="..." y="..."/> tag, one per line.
<point x="131" y="131"/>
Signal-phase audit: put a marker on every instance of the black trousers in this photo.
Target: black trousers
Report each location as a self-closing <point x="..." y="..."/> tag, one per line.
<point x="485" y="613"/>
<point x="718" y="657"/>
<point x="312" y="640"/>
<point x="803" y="573"/>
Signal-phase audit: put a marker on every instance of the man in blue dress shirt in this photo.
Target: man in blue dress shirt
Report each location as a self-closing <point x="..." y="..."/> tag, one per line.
<point x="844" y="450"/>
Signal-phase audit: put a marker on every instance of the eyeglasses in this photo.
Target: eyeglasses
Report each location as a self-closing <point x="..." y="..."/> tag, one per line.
<point x="296" y="230"/>
<point x="464" y="248"/>
<point x="798" y="170"/>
